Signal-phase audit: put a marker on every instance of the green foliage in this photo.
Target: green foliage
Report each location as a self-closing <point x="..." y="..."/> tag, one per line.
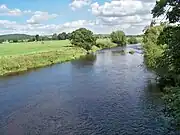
<point x="166" y="63"/>
<point x="152" y="50"/>
<point x="54" y="36"/>
<point x="83" y="38"/>
<point x="105" y="43"/>
<point x="63" y="36"/>
<point x="172" y="102"/>
<point x="132" y="40"/>
<point x="37" y="37"/>
<point x="168" y="7"/>
<point x="118" y="37"/>
<point x="1" y="41"/>
<point x="15" y="37"/>
<point x="15" y="41"/>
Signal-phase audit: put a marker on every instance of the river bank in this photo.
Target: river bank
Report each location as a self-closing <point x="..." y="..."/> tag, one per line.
<point x="19" y="63"/>
<point x="15" y="58"/>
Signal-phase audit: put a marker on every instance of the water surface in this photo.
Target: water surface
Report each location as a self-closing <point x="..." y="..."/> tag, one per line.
<point x="108" y="94"/>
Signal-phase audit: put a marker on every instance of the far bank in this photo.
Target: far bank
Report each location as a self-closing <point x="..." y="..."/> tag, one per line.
<point x="20" y="57"/>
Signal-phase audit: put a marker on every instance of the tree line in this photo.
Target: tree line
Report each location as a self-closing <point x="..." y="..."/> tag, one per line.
<point x="114" y="36"/>
<point x="162" y="54"/>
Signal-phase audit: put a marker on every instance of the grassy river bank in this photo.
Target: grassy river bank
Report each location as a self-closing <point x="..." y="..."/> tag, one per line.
<point x="19" y="57"/>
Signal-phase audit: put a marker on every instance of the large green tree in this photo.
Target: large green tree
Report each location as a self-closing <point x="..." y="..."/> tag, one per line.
<point x="118" y="37"/>
<point x="37" y="37"/>
<point x="62" y="36"/>
<point x="83" y="38"/>
<point x="132" y="40"/>
<point x="54" y="36"/>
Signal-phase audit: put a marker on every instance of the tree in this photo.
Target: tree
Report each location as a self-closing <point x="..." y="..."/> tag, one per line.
<point x="169" y="8"/>
<point x="118" y="37"/>
<point x="83" y="38"/>
<point x="132" y="40"/>
<point x="54" y="36"/>
<point x="68" y="36"/>
<point x="15" y="41"/>
<point x="1" y="41"/>
<point x="62" y="36"/>
<point x="37" y="37"/>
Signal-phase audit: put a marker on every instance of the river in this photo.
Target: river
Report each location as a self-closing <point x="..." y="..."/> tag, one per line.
<point x="108" y="94"/>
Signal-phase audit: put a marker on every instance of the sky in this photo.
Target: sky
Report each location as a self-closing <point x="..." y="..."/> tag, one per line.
<point x="46" y="17"/>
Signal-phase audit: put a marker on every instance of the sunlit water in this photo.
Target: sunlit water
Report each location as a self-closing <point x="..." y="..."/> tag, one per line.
<point x="108" y="94"/>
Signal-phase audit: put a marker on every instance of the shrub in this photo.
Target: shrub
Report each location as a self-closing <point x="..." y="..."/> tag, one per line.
<point x="132" y="40"/>
<point x="118" y="37"/>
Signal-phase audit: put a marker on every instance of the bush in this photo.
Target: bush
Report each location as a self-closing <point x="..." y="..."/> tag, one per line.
<point x="131" y="51"/>
<point x="83" y="38"/>
<point x="132" y="40"/>
<point x="118" y="37"/>
<point x="15" y="41"/>
<point x="1" y="41"/>
<point x="105" y="43"/>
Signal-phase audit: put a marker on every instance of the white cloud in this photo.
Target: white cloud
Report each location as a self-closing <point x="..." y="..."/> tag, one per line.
<point x="131" y="16"/>
<point x="119" y="8"/>
<point x="124" y="14"/>
<point x="76" y="4"/>
<point x="40" y="16"/>
<point x="5" y="11"/>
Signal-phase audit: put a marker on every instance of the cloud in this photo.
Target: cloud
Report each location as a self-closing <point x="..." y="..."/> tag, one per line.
<point x="40" y="16"/>
<point x="76" y="4"/>
<point x="119" y="8"/>
<point x="8" y="27"/>
<point x="124" y="14"/>
<point x="5" y="11"/>
<point x="131" y="16"/>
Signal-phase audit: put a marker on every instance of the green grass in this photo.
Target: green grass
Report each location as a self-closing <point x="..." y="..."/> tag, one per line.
<point x="17" y="57"/>
<point x="31" y="47"/>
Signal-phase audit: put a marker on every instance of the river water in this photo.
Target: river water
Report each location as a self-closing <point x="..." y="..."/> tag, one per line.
<point x="108" y="94"/>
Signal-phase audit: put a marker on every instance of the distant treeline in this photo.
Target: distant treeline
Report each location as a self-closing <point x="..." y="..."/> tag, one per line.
<point x="14" y="38"/>
<point x="30" y="38"/>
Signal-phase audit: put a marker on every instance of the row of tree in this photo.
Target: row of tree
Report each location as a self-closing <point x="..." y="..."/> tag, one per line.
<point x="61" y="36"/>
<point x="86" y="39"/>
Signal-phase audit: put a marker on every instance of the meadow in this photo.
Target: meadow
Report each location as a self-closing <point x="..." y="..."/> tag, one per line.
<point x="32" y="47"/>
<point x="22" y="56"/>
<point x="18" y="57"/>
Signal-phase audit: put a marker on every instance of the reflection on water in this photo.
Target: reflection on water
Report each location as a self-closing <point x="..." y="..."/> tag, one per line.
<point x="103" y="94"/>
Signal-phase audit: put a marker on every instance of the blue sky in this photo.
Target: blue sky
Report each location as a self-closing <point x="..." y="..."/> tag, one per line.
<point x="55" y="16"/>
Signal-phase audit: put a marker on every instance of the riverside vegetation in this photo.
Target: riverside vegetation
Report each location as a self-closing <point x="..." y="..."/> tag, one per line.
<point x="162" y="54"/>
<point x="22" y="56"/>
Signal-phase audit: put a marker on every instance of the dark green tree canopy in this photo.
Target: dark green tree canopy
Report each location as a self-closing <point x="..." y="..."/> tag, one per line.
<point x="54" y="36"/>
<point x="118" y="37"/>
<point x="83" y="38"/>
<point x="62" y="36"/>
<point x="169" y="8"/>
<point x="37" y="37"/>
<point x="132" y="40"/>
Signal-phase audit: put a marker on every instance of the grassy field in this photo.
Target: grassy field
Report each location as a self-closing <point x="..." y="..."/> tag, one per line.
<point x="17" y="57"/>
<point x="31" y="47"/>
